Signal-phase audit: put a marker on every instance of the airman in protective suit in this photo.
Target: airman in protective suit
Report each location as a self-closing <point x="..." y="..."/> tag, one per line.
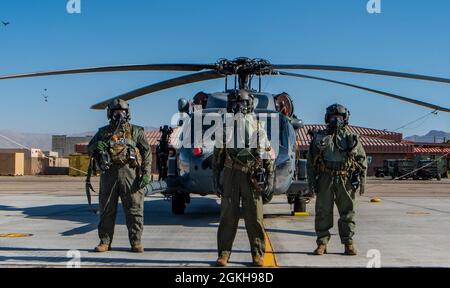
<point x="248" y="176"/>
<point x="336" y="170"/>
<point x="123" y="155"/>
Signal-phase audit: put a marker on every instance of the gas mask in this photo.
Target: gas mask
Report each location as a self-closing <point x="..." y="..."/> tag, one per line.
<point x="240" y="107"/>
<point x="336" y="122"/>
<point x="119" y="117"/>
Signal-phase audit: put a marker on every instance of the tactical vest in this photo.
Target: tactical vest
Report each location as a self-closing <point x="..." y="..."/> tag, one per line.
<point x="239" y="145"/>
<point x="335" y="152"/>
<point x="122" y="147"/>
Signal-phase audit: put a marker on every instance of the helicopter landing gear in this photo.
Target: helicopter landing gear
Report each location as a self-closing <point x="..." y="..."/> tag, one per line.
<point x="299" y="204"/>
<point x="179" y="201"/>
<point x="178" y="204"/>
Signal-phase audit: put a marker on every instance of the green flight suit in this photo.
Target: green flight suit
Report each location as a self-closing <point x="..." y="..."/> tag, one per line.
<point x="332" y="159"/>
<point x="238" y="186"/>
<point x="122" y="181"/>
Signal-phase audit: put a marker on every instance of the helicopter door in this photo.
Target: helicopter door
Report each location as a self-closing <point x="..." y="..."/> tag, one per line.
<point x="285" y="161"/>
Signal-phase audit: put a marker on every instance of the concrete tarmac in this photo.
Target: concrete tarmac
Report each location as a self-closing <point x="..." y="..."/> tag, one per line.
<point x="410" y="227"/>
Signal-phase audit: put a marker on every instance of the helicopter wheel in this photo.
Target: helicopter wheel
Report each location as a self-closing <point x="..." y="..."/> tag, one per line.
<point x="299" y="204"/>
<point x="178" y="204"/>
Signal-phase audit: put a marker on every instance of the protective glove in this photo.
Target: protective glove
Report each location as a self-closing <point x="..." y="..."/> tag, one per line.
<point x="362" y="189"/>
<point x="311" y="191"/>
<point x="101" y="146"/>
<point x="145" y="180"/>
<point x="362" y="186"/>
<point x="270" y="184"/>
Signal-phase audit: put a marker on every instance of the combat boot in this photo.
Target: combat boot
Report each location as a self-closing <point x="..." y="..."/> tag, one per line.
<point x="321" y="249"/>
<point x="137" y="248"/>
<point x="350" y="249"/>
<point x="222" y="261"/>
<point x="100" y="248"/>
<point x="258" y="261"/>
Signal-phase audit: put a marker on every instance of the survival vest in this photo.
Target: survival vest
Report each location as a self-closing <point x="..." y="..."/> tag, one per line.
<point x="336" y="152"/>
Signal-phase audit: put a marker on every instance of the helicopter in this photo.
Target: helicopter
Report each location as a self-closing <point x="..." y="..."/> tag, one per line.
<point x="188" y="170"/>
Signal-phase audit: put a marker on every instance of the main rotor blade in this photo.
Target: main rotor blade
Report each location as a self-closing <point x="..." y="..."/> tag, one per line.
<point x="362" y="70"/>
<point x="401" y="98"/>
<point x="123" y="68"/>
<point x="183" y="80"/>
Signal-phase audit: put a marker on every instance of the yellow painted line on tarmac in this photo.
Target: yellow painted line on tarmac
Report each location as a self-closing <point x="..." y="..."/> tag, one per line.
<point x="300" y="214"/>
<point x="269" y="257"/>
<point x="15" y="235"/>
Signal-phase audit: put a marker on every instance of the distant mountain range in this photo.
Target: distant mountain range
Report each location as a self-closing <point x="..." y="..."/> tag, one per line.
<point x="433" y="136"/>
<point x="8" y="139"/>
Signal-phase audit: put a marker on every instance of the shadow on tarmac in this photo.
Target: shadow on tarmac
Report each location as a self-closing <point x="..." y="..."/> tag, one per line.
<point x="109" y="260"/>
<point x="97" y="260"/>
<point x="201" y="212"/>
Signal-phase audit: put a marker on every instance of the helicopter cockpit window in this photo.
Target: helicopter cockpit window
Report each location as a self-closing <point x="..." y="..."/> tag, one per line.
<point x="217" y="101"/>
<point x="201" y="99"/>
<point x="260" y="102"/>
<point x="255" y="102"/>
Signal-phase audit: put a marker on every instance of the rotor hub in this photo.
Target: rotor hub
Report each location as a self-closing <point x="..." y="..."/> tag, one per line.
<point x="244" y="66"/>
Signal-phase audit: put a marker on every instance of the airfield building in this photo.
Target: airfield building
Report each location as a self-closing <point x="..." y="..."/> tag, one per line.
<point x="65" y="145"/>
<point x="382" y="145"/>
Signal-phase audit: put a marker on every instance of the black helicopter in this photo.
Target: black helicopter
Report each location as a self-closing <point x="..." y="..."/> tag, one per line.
<point x="188" y="170"/>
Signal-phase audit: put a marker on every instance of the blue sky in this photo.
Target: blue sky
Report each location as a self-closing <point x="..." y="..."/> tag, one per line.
<point x="408" y="36"/>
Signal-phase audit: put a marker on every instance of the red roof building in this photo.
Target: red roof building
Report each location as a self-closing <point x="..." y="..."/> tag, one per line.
<point x="432" y="150"/>
<point x="373" y="140"/>
<point x="380" y="145"/>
